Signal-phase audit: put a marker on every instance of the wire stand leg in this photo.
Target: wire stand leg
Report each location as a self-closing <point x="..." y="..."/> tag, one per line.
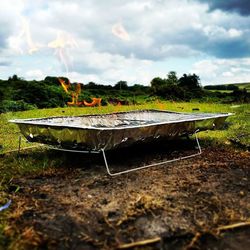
<point x="151" y="165"/>
<point x="19" y="144"/>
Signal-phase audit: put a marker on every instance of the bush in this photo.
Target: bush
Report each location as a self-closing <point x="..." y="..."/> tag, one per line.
<point x="171" y="92"/>
<point x="1" y="96"/>
<point x="8" y="105"/>
<point x="222" y="87"/>
<point x="39" y="94"/>
<point x="241" y="96"/>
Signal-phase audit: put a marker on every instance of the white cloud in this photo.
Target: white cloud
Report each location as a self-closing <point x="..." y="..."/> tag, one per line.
<point x="227" y="74"/>
<point x="35" y="74"/>
<point x="235" y="33"/>
<point x="206" y="67"/>
<point x="219" y="71"/>
<point x="219" y="32"/>
<point x="123" y="39"/>
<point x="83" y="78"/>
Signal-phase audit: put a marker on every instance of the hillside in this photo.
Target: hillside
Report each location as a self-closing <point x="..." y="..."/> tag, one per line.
<point x="245" y="85"/>
<point x="229" y="86"/>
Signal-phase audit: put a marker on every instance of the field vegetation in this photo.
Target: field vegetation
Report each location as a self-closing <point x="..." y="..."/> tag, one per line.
<point x="238" y="125"/>
<point x="50" y="188"/>
<point x="30" y="178"/>
<point x="17" y="94"/>
<point x="229" y="87"/>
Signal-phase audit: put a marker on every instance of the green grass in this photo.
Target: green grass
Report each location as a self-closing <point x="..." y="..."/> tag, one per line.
<point x="9" y="132"/>
<point x="245" y="85"/>
<point x="222" y="91"/>
<point x="40" y="159"/>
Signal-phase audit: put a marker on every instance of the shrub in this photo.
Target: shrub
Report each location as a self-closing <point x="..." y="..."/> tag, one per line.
<point x="20" y="105"/>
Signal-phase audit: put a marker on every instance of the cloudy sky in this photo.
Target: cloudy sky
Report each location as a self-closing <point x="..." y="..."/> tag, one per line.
<point x="132" y="40"/>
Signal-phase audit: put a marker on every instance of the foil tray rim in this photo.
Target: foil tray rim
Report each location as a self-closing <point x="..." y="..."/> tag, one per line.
<point x="28" y="121"/>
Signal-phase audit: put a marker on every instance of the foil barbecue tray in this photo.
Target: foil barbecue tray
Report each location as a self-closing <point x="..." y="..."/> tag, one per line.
<point x="109" y="131"/>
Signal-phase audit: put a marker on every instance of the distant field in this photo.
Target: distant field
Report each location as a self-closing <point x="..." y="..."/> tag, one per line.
<point x="245" y="85"/>
<point x="219" y="90"/>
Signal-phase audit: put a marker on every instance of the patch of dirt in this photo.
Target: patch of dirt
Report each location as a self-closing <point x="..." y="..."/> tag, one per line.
<point x="78" y="206"/>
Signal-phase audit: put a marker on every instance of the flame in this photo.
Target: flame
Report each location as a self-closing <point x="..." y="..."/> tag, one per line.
<point x="119" y="31"/>
<point x="24" y="37"/>
<point x="64" y="85"/>
<point x="159" y="104"/>
<point x="74" y="94"/>
<point x="95" y="101"/>
<point x="61" y="44"/>
<point x="31" y="45"/>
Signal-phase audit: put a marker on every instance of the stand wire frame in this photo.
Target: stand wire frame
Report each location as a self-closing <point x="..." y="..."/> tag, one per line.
<point x="151" y="165"/>
<point x="128" y="170"/>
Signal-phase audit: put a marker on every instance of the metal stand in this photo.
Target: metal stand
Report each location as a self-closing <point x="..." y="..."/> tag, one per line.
<point x="133" y="169"/>
<point x="19" y="144"/>
<point x="151" y="165"/>
<point x="74" y="151"/>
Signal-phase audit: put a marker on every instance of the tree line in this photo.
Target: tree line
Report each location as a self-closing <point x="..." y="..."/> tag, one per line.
<point x="17" y="93"/>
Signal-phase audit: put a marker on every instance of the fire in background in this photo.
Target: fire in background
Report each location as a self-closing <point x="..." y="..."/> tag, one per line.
<point x="75" y="92"/>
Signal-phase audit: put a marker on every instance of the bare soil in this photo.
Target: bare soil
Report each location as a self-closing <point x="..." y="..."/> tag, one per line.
<point x="180" y="205"/>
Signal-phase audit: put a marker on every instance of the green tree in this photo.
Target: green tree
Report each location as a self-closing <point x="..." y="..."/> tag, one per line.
<point x="53" y="80"/>
<point x="157" y="83"/>
<point x="172" y="78"/>
<point x="14" y="78"/>
<point x="91" y="85"/>
<point x="189" y="82"/>
<point x="1" y="95"/>
<point x="38" y="93"/>
<point x="121" y="85"/>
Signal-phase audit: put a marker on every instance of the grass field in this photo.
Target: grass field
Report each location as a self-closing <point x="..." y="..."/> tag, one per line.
<point x="221" y="91"/>
<point x="245" y="85"/>
<point x="237" y="124"/>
